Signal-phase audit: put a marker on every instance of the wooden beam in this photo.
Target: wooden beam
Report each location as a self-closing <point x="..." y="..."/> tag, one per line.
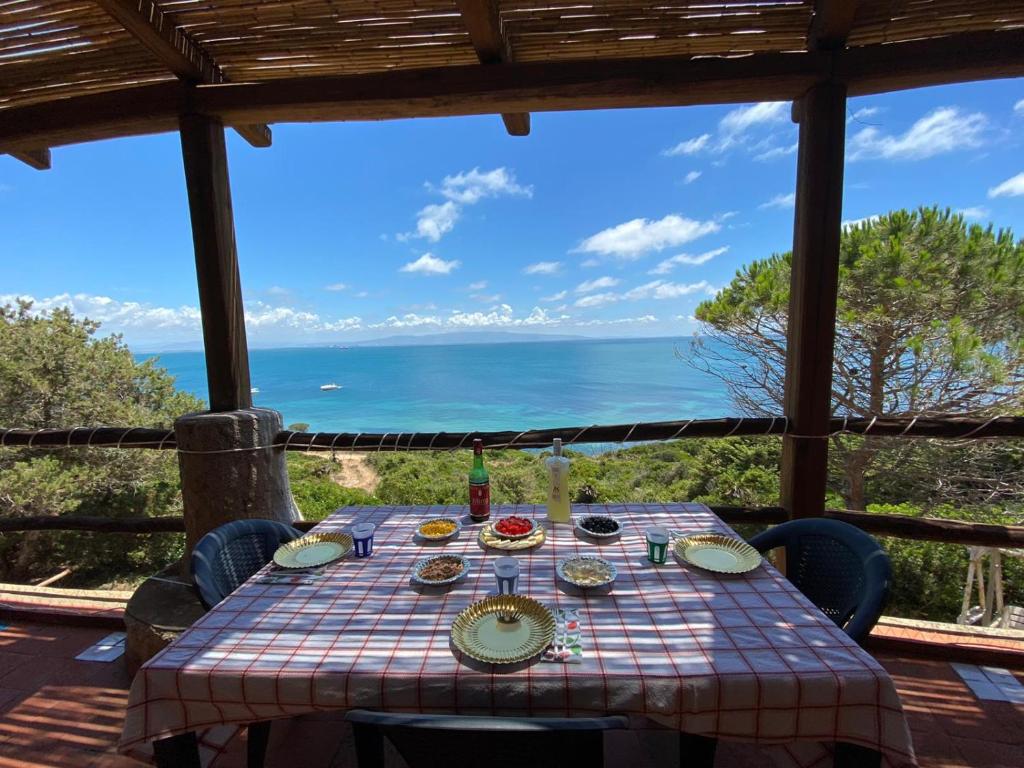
<point x="518" y="87"/>
<point x="36" y="158"/>
<point x="174" y="48"/>
<point x="831" y="24"/>
<point x="146" y="22"/>
<point x="483" y="22"/>
<point x="814" y="285"/>
<point x="959" y="58"/>
<point x="220" y="290"/>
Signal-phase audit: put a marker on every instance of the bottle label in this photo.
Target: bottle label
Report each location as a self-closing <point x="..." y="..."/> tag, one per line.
<point x="479" y="500"/>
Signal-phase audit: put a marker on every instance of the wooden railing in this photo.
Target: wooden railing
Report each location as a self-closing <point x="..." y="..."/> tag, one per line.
<point x="901" y="526"/>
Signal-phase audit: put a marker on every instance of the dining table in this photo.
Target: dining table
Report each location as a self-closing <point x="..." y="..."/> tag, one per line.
<point x="743" y="657"/>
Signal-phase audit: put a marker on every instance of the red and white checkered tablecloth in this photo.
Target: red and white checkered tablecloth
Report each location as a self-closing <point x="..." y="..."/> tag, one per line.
<point x="746" y="658"/>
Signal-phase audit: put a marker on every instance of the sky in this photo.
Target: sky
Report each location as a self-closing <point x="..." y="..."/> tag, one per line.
<point x="604" y="224"/>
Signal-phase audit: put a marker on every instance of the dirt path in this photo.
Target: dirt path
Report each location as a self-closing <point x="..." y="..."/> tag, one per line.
<point x="354" y="471"/>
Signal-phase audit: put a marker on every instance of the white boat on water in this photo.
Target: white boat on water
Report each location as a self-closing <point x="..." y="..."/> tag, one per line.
<point x="329" y="387"/>
<point x="254" y="390"/>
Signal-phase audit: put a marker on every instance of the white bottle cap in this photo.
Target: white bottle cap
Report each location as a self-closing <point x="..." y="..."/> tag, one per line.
<point x="558" y="446"/>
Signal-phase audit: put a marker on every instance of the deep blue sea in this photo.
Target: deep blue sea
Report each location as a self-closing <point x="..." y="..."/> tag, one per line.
<point x="468" y="387"/>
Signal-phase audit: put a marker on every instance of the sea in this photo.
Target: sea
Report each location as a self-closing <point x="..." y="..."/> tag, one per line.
<point x="470" y="387"/>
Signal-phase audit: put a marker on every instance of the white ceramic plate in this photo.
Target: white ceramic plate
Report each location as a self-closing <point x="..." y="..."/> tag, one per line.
<point x="585" y="532"/>
<point x="611" y="571"/>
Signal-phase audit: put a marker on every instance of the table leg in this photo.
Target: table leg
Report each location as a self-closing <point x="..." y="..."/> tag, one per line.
<point x="369" y="743"/>
<point x="855" y="756"/>
<point x="257" y="736"/>
<point x="696" y="751"/>
<point x="180" y="751"/>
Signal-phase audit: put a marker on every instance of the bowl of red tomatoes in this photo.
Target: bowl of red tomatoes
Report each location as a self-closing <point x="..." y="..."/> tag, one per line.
<point x="514" y="527"/>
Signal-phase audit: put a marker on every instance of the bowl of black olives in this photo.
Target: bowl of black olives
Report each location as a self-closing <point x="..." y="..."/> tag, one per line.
<point x="598" y="526"/>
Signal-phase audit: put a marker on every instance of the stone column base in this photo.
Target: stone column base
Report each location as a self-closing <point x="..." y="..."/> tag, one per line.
<point x="163" y="607"/>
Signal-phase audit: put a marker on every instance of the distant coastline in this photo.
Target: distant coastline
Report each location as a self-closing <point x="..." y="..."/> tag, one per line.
<point x="414" y="340"/>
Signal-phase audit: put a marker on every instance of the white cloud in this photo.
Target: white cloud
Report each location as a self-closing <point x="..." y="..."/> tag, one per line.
<point x="362" y="294"/>
<point x="590" y="263"/>
<point x="543" y="268"/>
<point x="943" y="130"/>
<point x="1012" y="187"/>
<point x="335" y="287"/>
<point x="691" y="177"/>
<point x="1019" y="107"/>
<point x="434" y="221"/>
<point x="689" y="147"/>
<point x="975" y="212"/>
<point x="851" y="223"/>
<point x="642" y="320"/>
<point x="479" y="285"/>
<point x="410" y="320"/>
<point x="775" y="152"/>
<point x="486" y="298"/>
<point x="780" y="201"/>
<point x="143" y="322"/>
<point x="472" y="186"/>
<point x="596" y="300"/>
<point x="662" y="289"/>
<point x="743" y="118"/>
<point x="598" y="284"/>
<point x="632" y="239"/>
<point x="863" y="113"/>
<point x="428" y="264"/>
<point x="560" y="296"/>
<point x="669" y="264"/>
<point x="733" y="128"/>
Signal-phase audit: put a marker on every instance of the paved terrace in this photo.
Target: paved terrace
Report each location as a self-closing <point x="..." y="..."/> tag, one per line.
<point x="57" y="712"/>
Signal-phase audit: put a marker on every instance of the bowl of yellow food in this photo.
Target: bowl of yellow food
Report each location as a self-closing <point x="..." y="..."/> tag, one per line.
<point x="586" y="571"/>
<point x="438" y="528"/>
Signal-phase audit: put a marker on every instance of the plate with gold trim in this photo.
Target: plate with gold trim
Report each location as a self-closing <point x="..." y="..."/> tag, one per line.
<point x="503" y="629"/>
<point x="491" y="539"/>
<point x="717" y="553"/>
<point x="313" y="550"/>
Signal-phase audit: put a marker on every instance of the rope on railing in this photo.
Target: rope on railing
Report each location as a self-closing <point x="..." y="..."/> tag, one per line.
<point x="943" y="427"/>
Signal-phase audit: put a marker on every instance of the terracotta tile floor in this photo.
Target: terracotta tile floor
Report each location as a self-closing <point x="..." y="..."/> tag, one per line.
<point x="56" y="712"/>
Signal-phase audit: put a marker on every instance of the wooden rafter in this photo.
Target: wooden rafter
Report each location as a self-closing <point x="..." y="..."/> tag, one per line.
<point x="483" y="22"/>
<point x="172" y="46"/>
<point x="831" y="24"/>
<point x="36" y="158"/>
<point x="518" y="87"/>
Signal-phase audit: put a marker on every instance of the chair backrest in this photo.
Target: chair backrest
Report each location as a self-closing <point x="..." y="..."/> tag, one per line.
<point x="230" y="554"/>
<point x="841" y="569"/>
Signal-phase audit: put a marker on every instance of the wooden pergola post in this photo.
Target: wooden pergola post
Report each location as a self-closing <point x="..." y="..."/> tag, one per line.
<point x="220" y="290"/>
<point x="814" y="284"/>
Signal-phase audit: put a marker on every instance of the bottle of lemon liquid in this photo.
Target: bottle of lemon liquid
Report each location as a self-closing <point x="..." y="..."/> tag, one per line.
<point x="558" y="488"/>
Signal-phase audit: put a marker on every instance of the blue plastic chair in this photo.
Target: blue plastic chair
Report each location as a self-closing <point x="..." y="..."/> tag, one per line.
<point x="221" y="561"/>
<point x="230" y="554"/>
<point x="457" y="741"/>
<point x="840" y="568"/>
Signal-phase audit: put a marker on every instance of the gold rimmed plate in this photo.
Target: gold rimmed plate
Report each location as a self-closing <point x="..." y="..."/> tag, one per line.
<point x="489" y="538"/>
<point x="717" y="553"/>
<point x="313" y="550"/>
<point x="503" y="629"/>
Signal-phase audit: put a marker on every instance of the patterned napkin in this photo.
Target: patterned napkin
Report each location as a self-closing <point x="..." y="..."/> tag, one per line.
<point x="566" y="647"/>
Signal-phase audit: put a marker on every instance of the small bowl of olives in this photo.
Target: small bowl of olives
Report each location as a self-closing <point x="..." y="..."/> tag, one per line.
<point x="598" y="526"/>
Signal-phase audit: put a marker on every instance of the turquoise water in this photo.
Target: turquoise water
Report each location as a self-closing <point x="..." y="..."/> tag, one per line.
<point x="473" y="386"/>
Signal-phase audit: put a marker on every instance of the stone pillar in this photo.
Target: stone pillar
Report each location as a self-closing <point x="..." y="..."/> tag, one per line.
<point x="247" y="480"/>
<point x="217" y="488"/>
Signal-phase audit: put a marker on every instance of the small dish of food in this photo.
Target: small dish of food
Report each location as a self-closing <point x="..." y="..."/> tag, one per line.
<point x="439" y="528"/>
<point x="598" y="526"/>
<point x="514" y="527"/>
<point x="586" y="571"/>
<point x="440" y="569"/>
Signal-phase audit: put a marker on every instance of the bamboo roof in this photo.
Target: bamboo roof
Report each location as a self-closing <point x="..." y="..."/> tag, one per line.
<point x="55" y="50"/>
